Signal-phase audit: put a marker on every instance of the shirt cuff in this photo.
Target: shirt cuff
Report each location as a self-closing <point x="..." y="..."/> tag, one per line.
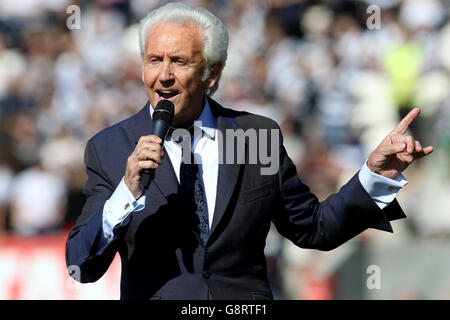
<point x="382" y="190"/>
<point x="118" y="207"/>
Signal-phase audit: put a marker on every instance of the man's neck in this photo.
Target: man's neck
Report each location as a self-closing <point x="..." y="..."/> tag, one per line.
<point x="191" y="117"/>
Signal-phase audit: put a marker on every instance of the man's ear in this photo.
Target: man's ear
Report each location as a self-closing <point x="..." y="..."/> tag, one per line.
<point x="214" y="72"/>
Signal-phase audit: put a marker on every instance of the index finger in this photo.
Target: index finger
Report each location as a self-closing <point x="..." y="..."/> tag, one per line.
<point x="406" y="121"/>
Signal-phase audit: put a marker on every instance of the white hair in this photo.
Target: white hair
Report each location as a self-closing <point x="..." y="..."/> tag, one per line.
<point x="214" y="31"/>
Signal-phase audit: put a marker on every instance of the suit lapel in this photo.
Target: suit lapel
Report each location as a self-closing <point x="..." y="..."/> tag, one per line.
<point x="228" y="173"/>
<point x="165" y="178"/>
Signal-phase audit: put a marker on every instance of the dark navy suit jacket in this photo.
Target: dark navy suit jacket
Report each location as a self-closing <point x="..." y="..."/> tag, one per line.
<point x="161" y="255"/>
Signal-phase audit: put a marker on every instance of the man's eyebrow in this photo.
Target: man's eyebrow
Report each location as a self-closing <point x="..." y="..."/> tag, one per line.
<point x="151" y="55"/>
<point x="179" y="56"/>
<point x="174" y="56"/>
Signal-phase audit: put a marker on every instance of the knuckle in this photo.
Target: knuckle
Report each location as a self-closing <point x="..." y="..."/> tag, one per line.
<point x="157" y="159"/>
<point x="130" y="159"/>
<point x="139" y="165"/>
<point x="153" y="165"/>
<point x="154" y="138"/>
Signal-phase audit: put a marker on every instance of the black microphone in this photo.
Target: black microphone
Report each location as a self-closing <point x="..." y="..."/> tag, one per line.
<point x="162" y="119"/>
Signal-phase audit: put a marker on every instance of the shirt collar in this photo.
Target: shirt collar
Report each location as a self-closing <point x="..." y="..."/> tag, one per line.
<point x="206" y="121"/>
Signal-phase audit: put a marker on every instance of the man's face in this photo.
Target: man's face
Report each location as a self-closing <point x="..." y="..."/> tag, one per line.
<point x="173" y="70"/>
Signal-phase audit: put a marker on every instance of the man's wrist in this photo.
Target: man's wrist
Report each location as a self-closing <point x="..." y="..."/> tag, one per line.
<point x="136" y="194"/>
<point x="118" y="207"/>
<point x="381" y="189"/>
<point x="389" y="174"/>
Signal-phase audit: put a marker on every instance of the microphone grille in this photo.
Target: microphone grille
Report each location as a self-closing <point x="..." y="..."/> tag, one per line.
<point x="164" y="111"/>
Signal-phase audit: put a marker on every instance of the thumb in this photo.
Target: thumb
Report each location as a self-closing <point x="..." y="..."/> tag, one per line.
<point x="392" y="148"/>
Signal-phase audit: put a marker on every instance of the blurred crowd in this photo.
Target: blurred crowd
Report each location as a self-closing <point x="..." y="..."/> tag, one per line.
<point x="336" y="76"/>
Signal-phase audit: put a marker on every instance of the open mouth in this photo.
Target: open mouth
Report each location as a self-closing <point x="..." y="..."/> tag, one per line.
<point x="166" y="94"/>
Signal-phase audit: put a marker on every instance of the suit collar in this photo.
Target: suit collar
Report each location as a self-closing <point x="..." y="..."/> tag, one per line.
<point x="215" y="117"/>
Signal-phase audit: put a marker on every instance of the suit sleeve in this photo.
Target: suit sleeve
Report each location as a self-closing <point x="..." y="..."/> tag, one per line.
<point x="85" y="245"/>
<point x="326" y="225"/>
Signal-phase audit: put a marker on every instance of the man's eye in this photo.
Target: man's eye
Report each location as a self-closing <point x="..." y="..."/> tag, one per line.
<point x="153" y="60"/>
<point x="180" y="62"/>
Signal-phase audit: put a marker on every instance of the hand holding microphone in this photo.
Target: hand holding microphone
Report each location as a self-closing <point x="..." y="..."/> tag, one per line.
<point x="148" y="154"/>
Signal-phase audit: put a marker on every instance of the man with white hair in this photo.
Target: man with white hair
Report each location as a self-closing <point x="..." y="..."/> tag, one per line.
<point x="199" y="230"/>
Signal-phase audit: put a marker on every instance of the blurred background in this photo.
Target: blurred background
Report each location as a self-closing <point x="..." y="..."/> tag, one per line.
<point x="336" y="75"/>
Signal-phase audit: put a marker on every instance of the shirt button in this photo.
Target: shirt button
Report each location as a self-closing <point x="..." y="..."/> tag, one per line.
<point x="127" y="206"/>
<point x="206" y="274"/>
<point x="390" y="188"/>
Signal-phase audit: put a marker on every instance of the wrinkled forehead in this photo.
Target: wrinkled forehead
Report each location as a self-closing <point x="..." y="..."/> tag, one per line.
<point x="176" y="35"/>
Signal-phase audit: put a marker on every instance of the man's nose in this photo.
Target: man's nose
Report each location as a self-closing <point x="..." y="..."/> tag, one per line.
<point x="166" y="73"/>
